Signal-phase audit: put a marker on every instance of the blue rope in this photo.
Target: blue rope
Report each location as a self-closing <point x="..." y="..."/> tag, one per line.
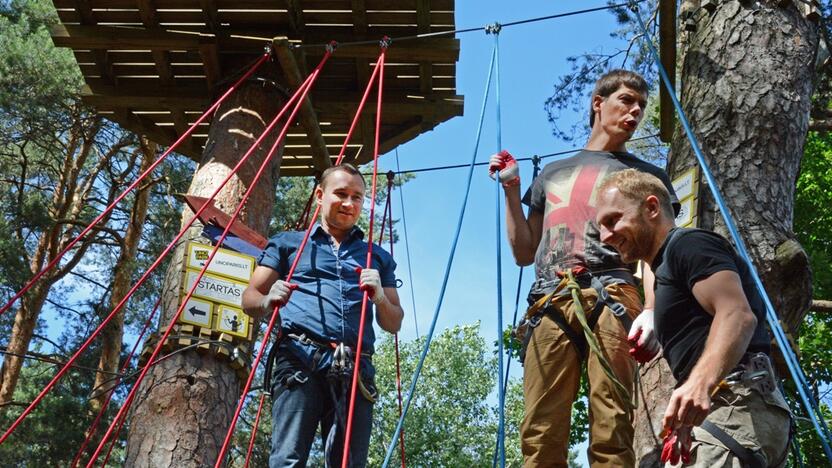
<point x="407" y="249"/>
<point x="395" y="438"/>
<point x="501" y="449"/>
<point x="536" y="171"/>
<point x="771" y="316"/>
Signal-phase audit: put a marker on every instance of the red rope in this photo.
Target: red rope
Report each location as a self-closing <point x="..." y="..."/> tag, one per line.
<point x="254" y="428"/>
<point x="303" y="219"/>
<point x="276" y="311"/>
<point x="144" y="174"/>
<point x="94" y="426"/>
<point x="353" y="387"/>
<point x="388" y="209"/>
<point x="297" y="98"/>
<point x="144" y="277"/>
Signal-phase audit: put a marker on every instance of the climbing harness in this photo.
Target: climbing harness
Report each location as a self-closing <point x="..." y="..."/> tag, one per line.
<point x="544" y="306"/>
<point x="570" y="287"/>
<point x="755" y="372"/>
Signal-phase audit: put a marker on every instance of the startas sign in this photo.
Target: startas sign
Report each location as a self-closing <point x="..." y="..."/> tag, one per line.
<point x="215" y="288"/>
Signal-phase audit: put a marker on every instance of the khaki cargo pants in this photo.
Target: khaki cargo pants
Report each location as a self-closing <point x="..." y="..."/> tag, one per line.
<point x="755" y="421"/>
<point x="552" y="371"/>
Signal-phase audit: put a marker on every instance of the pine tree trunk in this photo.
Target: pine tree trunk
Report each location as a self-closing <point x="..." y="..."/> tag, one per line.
<point x="747" y="81"/>
<point x="23" y="329"/>
<point x="112" y="335"/>
<point x="185" y="404"/>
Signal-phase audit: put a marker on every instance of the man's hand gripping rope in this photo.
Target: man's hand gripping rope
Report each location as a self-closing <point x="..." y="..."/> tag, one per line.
<point x="369" y="280"/>
<point x="505" y="163"/>
<point x="278" y="295"/>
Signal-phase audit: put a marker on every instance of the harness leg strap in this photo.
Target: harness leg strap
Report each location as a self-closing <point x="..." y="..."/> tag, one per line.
<point x="748" y="457"/>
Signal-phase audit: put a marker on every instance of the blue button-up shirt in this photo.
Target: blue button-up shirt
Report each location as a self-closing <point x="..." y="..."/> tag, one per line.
<point x="327" y="304"/>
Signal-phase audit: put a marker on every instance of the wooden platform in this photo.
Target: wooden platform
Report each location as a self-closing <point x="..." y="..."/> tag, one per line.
<point x="154" y="66"/>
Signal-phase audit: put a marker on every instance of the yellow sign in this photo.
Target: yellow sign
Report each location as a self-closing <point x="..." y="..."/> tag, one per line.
<point x="686" y="187"/>
<point x="687" y="214"/>
<point x="232" y="321"/>
<point x="197" y="312"/>
<point x="687" y="184"/>
<point x="215" y="288"/>
<point x="226" y="262"/>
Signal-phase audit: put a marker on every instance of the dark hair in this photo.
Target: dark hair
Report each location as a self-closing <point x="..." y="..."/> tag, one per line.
<point x="346" y="167"/>
<point x="611" y="82"/>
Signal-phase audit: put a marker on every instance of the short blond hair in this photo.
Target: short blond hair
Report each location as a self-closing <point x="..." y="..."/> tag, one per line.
<point x="637" y="186"/>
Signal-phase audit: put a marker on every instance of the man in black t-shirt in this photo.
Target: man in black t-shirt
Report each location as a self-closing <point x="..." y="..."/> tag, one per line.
<point x="710" y="322"/>
<point x="559" y="236"/>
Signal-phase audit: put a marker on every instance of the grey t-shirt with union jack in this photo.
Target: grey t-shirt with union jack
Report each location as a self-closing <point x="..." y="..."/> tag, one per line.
<point x="565" y="193"/>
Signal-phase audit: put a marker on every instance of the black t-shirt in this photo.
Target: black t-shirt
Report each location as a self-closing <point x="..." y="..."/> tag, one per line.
<point x="682" y="325"/>
<point x="565" y="193"/>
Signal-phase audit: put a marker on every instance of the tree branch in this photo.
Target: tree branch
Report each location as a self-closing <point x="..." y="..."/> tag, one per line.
<point x="823" y="125"/>
<point x="821" y="306"/>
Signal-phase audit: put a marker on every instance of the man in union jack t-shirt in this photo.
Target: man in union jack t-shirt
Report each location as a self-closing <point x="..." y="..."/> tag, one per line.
<point x="559" y="235"/>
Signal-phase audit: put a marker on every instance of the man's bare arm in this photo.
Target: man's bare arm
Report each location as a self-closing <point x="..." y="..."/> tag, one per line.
<point x="523" y="234"/>
<point x="389" y="312"/>
<point x="722" y="296"/>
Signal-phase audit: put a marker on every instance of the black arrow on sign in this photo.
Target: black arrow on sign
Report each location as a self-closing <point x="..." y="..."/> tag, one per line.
<point x="195" y="311"/>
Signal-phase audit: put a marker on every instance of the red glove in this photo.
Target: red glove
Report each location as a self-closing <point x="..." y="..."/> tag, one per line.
<point x="642" y="338"/>
<point x="677" y="446"/>
<point x="507" y="165"/>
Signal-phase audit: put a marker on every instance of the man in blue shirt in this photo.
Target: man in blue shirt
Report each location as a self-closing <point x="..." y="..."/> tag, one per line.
<point x="320" y="314"/>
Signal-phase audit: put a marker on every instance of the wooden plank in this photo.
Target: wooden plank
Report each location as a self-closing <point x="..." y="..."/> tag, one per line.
<point x="428" y="49"/>
<point x="210" y="15"/>
<point x="667" y="53"/>
<point x="423" y="19"/>
<point x="308" y="118"/>
<point x="296" y="17"/>
<point x="110" y="37"/>
<point x="365" y="130"/>
<point x="84" y="10"/>
<point x="209" y="52"/>
<point x="437" y="5"/>
<point x="160" y="135"/>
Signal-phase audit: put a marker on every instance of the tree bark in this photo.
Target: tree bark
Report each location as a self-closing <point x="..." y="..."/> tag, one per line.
<point x="112" y="335"/>
<point x="185" y="404"/>
<point x="747" y="82"/>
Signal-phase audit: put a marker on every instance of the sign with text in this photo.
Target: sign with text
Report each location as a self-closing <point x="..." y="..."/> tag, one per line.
<point x="686" y="187"/>
<point x="687" y="184"/>
<point x="215" y="288"/>
<point x="226" y="262"/>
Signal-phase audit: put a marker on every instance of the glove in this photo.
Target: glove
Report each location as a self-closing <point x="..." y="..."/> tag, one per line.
<point x="507" y="165"/>
<point x="643" y="343"/>
<point x="278" y="295"/>
<point x="677" y="446"/>
<point x="370" y="281"/>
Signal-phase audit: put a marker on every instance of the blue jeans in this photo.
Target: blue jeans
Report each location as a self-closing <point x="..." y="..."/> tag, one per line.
<point x="298" y="408"/>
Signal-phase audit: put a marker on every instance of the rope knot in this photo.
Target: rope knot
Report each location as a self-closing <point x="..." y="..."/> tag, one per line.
<point x="385" y="42"/>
